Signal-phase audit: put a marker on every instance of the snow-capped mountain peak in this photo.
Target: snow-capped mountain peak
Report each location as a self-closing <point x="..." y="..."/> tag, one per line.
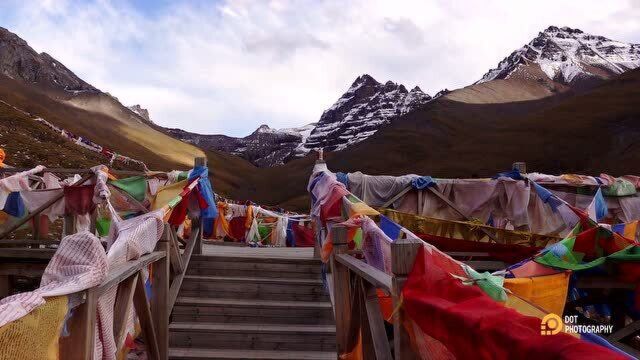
<point x="566" y="55"/>
<point x="365" y="107"/>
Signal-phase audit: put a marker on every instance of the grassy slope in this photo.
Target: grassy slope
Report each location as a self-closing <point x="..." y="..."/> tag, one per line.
<point x="129" y="137"/>
<point x="28" y="143"/>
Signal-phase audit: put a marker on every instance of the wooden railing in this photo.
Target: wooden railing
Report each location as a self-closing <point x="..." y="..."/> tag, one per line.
<point x="168" y="264"/>
<point x="354" y="285"/>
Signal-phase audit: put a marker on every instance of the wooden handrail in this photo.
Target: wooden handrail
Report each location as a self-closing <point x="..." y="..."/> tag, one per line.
<point x="355" y="300"/>
<point x="124" y="271"/>
<point x="127" y="277"/>
<point x="186" y="257"/>
<point x="375" y="277"/>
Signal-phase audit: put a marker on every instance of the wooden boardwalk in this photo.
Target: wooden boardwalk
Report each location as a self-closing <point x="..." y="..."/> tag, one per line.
<point x="252" y="303"/>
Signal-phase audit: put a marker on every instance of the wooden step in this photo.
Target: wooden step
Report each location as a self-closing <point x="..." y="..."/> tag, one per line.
<point x="225" y="266"/>
<point x="256" y="259"/>
<point x="227" y="354"/>
<point x="236" y="287"/>
<point x="197" y="309"/>
<point x="253" y="336"/>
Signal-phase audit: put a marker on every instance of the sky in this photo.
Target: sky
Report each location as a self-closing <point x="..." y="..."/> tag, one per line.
<point x="230" y="66"/>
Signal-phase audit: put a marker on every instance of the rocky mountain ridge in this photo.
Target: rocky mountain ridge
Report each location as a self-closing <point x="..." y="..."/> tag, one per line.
<point x="363" y="109"/>
<point x="568" y="56"/>
<point x="19" y="61"/>
<point x="264" y="147"/>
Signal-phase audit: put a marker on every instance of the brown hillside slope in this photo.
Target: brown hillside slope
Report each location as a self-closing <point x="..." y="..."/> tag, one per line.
<point x="594" y="132"/>
<point x="103" y="120"/>
<point x="28" y="143"/>
<point x="590" y="133"/>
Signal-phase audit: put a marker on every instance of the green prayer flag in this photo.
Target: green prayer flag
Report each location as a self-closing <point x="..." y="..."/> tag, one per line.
<point x="264" y="232"/>
<point x="175" y="201"/>
<point x="135" y="186"/>
<point x="183" y="175"/>
<point x="102" y="226"/>
<point x="492" y="285"/>
<point x="357" y="238"/>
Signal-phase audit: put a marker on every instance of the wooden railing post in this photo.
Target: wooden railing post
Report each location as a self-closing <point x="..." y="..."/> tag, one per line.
<point x="160" y="298"/>
<point x="403" y="255"/>
<point x="82" y="329"/>
<point x="199" y="161"/>
<point x="317" y="225"/>
<point x="341" y="288"/>
<point x="68" y="225"/>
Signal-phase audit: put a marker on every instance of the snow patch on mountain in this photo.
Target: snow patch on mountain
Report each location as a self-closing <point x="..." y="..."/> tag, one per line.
<point x="566" y="54"/>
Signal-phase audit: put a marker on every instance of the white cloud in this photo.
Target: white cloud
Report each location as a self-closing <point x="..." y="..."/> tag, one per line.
<point x="230" y="66"/>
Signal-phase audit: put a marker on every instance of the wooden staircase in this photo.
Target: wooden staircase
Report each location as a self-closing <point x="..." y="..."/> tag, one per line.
<point x="245" y="307"/>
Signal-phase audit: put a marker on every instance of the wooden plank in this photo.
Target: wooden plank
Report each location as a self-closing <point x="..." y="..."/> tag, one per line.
<point x="122" y="272"/>
<point x="480" y="265"/>
<point x="364" y="326"/>
<point x="403" y="254"/>
<point x="466" y="254"/>
<point x="123" y="305"/>
<point x="198" y="240"/>
<point x="24" y="253"/>
<point x="175" y="258"/>
<point x="160" y="299"/>
<point x="372" y="275"/>
<point x="341" y="289"/>
<point x="41" y="208"/>
<point x="398" y="196"/>
<point x="248" y="354"/>
<point x="376" y="323"/>
<point x="186" y="258"/>
<point x="22" y="269"/>
<point x="24" y="242"/>
<point x="36" y="227"/>
<point x="79" y="345"/>
<point x="317" y="229"/>
<point x="68" y="225"/>
<point x="146" y="320"/>
<point x="437" y="193"/>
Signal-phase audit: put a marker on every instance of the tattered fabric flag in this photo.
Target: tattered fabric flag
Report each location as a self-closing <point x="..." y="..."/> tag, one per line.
<point x="390" y="228"/>
<point x="586" y="249"/>
<point x="598" y="209"/>
<point x="135" y="186"/>
<point x="559" y="206"/>
<point x="437" y="303"/>
<point x="627" y="230"/>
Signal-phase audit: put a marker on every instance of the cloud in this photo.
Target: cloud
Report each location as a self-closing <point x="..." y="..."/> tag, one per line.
<point x="229" y="66"/>
<point x="405" y="30"/>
